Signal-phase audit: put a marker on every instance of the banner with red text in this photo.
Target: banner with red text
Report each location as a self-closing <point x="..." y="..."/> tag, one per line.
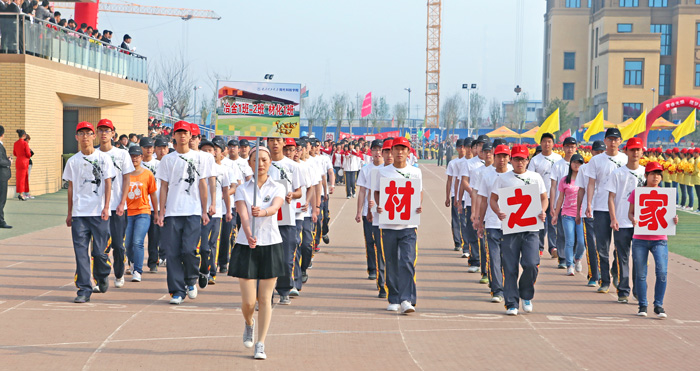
<point x="654" y="210"/>
<point x="399" y="198"/>
<point x="522" y="207"/>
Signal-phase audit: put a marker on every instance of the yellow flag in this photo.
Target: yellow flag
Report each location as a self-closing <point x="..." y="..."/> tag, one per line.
<point x="596" y="127"/>
<point x="687" y="127"/>
<point x="550" y="125"/>
<point x="408" y="136"/>
<point x="638" y="126"/>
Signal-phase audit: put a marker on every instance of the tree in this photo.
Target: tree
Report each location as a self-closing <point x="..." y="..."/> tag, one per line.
<point x="495" y="112"/>
<point x="314" y="111"/>
<point x="380" y="109"/>
<point x="352" y="113"/>
<point x="566" y="118"/>
<point x="400" y="113"/>
<point x="452" y="109"/>
<point x="477" y="103"/>
<point x="172" y="76"/>
<point x="338" y="106"/>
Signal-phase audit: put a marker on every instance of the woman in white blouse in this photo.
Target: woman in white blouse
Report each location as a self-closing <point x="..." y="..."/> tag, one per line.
<point x="258" y="257"/>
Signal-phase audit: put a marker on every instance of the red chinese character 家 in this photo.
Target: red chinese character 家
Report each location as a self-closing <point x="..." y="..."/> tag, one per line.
<point x="516" y="218"/>
<point x="653" y="210"/>
<point x="399" y="200"/>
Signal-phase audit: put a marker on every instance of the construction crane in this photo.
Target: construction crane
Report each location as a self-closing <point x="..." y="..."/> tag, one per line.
<point x="432" y="68"/>
<point x="131" y="8"/>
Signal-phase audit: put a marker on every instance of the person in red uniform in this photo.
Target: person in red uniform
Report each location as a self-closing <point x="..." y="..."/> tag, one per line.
<point x="22" y="153"/>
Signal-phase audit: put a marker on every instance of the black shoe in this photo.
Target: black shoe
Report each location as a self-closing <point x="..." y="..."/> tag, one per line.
<point x="6" y="226"/>
<point x="103" y="285"/>
<point x="326" y="240"/>
<point x="382" y="295"/>
<point x="203" y="280"/>
<point x="223" y="268"/>
<point x="80" y="299"/>
<point x="153" y="269"/>
<point x="372" y="276"/>
<point x="304" y="277"/>
<point x="660" y="312"/>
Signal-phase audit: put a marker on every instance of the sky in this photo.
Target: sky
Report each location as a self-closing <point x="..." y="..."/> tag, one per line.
<point x="336" y="46"/>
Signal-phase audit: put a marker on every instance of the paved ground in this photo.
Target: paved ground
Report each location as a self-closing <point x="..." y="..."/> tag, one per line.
<point x="338" y="322"/>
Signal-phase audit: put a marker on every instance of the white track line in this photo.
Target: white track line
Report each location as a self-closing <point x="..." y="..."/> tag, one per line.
<point x="36" y="297"/>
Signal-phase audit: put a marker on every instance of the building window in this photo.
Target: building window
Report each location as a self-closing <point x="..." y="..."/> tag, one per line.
<point x="569" y="60"/>
<point x="624" y="27"/>
<point x="658" y="3"/>
<point x="633" y="73"/>
<point x="596" y="40"/>
<point x="631" y="110"/>
<point x="664" y="80"/>
<point x="697" y="37"/>
<point x="568" y="93"/>
<point x="573" y="3"/>
<point x="697" y="75"/>
<point x="666" y="32"/>
<point x="629" y="3"/>
<point x="595" y="78"/>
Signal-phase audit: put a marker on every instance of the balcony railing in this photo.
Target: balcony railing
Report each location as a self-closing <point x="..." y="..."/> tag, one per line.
<point x="24" y="34"/>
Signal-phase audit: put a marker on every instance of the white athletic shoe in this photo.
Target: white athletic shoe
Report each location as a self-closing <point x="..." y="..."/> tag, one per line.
<point x="248" y="334"/>
<point x="527" y="306"/>
<point x="465" y="255"/>
<point x="191" y="291"/>
<point x="579" y="266"/>
<point x="119" y="282"/>
<point x="260" y="351"/>
<point x="95" y="289"/>
<point x="136" y="277"/>
<point x="512" y="311"/>
<point x="497" y="299"/>
<point x="406" y="307"/>
<point x="393" y="307"/>
<point x="474" y="269"/>
<point x="570" y="271"/>
<point x="176" y="300"/>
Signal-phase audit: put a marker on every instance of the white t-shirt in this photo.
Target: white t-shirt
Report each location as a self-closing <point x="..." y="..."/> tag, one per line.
<point x="466" y="168"/>
<point x="560" y="169"/>
<point x="364" y="180"/>
<point x="243" y="166"/>
<point x="452" y="171"/>
<point x="288" y="171"/>
<point x="327" y="166"/>
<point x="599" y="167"/>
<point x="408" y="172"/>
<point x="622" y="182"/>
<point x="511" y="179"/>
<point x="488" y="179"/>
<point x="183" y="172"/>
<point x="306" y="182"/>
<point x="374" y="180"/>
<point x="582" y="182"/>
<point x="266" y="229"/>
<point x="235" y="176"/>
<point x="220" y="172"/>
<point x="88" y="173"/>
<point x="152" y="166"/>
<point x="542" y="165"/>
<point x="352" y="162"/>
<point x="123" y="165"/>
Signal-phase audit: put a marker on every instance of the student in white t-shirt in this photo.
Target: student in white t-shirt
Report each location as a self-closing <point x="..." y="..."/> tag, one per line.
<point x="89" y="175"/>
<point x="239" y="172"/>
<point x="306" y="215"/>
<point x="364" y="185"/>
<point x="400" y="241"/>
<point x="559" y="170"/>
<point x="475" y="183"/>
<point x="463" y="197"/>
<point x="120" y="184"/>
<point x="372" y="216"/>
<point x="353" y="161"/>
<point x="620" y="185"/>
<point x="451" y="172"/>
<point x="519" y="248"/>
<point x="183" y="209"/>
<point x="542" y="164"/>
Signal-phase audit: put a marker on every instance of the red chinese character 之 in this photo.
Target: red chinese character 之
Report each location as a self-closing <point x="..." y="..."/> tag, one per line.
<point x="516" y="218"/>
<point x="396" y="204"/>
<point x="653" y="211"/>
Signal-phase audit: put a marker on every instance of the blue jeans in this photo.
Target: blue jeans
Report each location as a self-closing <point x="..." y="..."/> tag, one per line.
<point x="136" y="229"/>
<point x="640" y="254"/>
<point x="573" y="233"/>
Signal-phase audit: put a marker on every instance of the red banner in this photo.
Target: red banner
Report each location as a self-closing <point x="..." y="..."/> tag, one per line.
<point x="367" y="105"/>
<point x="565" y="135"/>
<point x="387" y="134"/>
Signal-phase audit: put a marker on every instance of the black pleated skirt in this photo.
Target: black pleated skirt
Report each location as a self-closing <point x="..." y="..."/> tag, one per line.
<point x="262" y="262"/>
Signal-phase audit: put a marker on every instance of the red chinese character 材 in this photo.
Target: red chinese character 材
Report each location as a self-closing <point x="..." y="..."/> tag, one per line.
<point x="653" y="211"/>
<point x="516" y="218"/>
<point x="399" y="205"/>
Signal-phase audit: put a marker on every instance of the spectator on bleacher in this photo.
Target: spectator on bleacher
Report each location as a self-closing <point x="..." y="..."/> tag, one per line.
<point x="82" y="29"/>
<point x="42" y="11"/>
<point x="57" y="17"/>
<point x="107" y="37"/>
<point x="133" y="140"/>
<point x="126" y="42"/>
<point x="123" y="142"/>
<point x="71" y="25"/>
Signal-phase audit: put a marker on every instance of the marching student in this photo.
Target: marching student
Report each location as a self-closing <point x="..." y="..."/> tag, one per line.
<point x="475" y="182"/>
<point x="327" y="168"/>
<point x="233" y="155"/>
<point x="353" y="161"/>
<point x="566" y="207"/>
<point x="139" y="198"/>
<point x="244" y="151"/>
<point x="117" y="220"/>
<point x="89" y="175"/>
<point x="372" y="216"/>
<point x="337" y="159"/>
<point x="182" y="211"/>
<point x="588" y="226"/>
<point x="542" y="164"/>
<point x="150" y="162"/>
<point x="559" y="170"/>
<point x="239" y="172"/>
<point x="620" y="185"/>
<point x="300" y="207"/>
<point x="284" y="170"/>
<point x="209" y="240"/>
<point x="400" y="242"/>
<point x="464" y="199"/>
<point x="519" y="248"/>
<point x="598" y="171"/>
<point x="364" y="185"/>
<point x="308" y="215"/>
<point x="258" y="257"/>
<point x="642" y="245"/>
<point x="450" y="196"/>
<point x="489" y="225"/>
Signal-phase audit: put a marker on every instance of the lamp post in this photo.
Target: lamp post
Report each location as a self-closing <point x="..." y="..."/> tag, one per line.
<point x="517" y="91"/>
<point x="194" y="115"/>
<point x="468" y="87"/>
<point x="408" y="116"/>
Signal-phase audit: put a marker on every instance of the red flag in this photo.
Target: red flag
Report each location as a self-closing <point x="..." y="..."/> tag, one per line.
<point x="427" y="134"/>
<point x="367" y="105"/>
<point x="565" y="135"/>
<point x="160" y="99"/>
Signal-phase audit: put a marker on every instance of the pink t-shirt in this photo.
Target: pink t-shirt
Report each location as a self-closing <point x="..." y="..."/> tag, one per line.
<point x="570" y="192"/>
<point x="645" y="237"/>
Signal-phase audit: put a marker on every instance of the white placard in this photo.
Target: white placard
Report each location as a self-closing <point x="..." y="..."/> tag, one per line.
<point x="522" y="207"/>
<point x="399" y="197"/>
<point x="285" y="216"/>
<point x="654" y="209"/>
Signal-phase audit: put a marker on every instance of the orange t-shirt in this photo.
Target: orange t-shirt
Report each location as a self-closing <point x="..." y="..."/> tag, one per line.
<point x="140" y="188"/>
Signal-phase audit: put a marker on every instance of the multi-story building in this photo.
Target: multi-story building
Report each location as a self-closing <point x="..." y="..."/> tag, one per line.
<point x="621" y="56"/>
<point x="532" y="110"/>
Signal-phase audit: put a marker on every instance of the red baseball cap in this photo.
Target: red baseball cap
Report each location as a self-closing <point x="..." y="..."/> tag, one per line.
<point x="668" y="151"/>
<point x="519" y="151"/>
<point x="696" y="150"/>
<point x="194" y="129"/>
<point x="387" y="144"/>
<point x="633" y="143"/>
<point x="401" y="141"/>
<point x="290" y="142"/>
<point x="84" y="125"/>
<point x="653" y="166"/>
<point x="502" y="149"/>
<point x="106" y="122"/>
<point x="676" y="150"/>
<point x="684" y="150"/>
<point x="182" y="125"/>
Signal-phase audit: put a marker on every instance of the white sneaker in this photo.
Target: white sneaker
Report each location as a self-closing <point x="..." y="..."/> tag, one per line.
<point x="393" y="307"/>
<point x="248" y="334"/>
<point x="497" y="299"/>
<point x="406" y="307"/>
<point x="95" y="288"/>
<point x="119" y="282"/>
<point x="570" y="271"/>
<point x="512" y="312"/>
<point x="191" y="291"/>
<point x="162" y="262"/>
<point x="465" y="255"/>
<point x="474" y="269"/>
<point x="260" y="351"/>
<point x="176" y="300"/>
<point x="136" y="277"/>
<point x="579" y="266"/>
<point x="527" y="306"/>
